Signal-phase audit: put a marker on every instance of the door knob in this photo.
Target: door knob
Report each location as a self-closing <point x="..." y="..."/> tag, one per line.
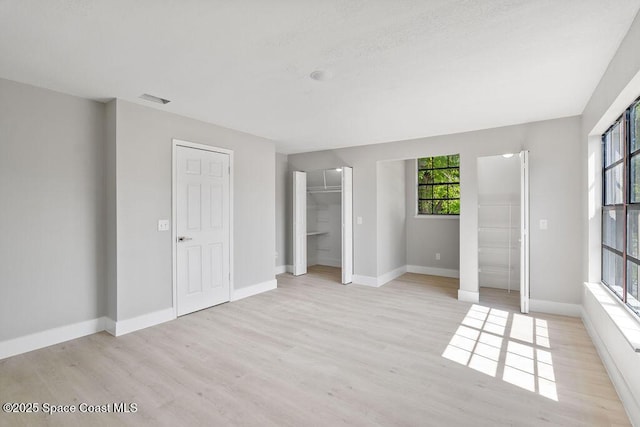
<point x="184" y="238"/>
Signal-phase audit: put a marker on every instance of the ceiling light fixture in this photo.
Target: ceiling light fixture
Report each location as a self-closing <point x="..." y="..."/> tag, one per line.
<point x="155" y="99"/>
<point x="507" y="155"/>
<point x="338" y="169"/>
<point x="321" y="75"/>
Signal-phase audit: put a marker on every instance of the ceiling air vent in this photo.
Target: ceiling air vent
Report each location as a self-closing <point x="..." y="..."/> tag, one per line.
<point x="152" y="98"/>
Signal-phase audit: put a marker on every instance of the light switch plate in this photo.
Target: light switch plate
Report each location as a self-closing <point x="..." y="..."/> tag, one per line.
<point x="359" y="220"/>
<point x="544" y="224"/>
<point x="163" y="225"/>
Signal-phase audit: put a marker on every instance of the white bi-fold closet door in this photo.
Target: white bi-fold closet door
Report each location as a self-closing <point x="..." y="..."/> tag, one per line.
<point x="202" y="226"/>
<point x="303" y="193"/>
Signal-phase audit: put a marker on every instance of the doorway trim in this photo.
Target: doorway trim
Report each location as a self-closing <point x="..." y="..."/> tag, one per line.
<point x="175" y="143"/>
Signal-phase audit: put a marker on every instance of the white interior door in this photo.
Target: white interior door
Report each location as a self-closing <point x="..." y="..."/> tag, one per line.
<point x="299" y="223"/>
<point x="347" y="225"/>
<point x="524" y="231"/>
<point x="202" y="229"/>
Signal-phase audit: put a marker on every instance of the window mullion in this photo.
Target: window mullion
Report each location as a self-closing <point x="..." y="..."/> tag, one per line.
<point x="626" y="198"/>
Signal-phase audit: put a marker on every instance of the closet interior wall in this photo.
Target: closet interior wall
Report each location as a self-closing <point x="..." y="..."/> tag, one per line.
<point x="324" y="221"/>
<point x="499" y="222"/>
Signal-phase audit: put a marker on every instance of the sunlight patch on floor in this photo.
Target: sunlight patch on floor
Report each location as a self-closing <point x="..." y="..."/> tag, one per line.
<point x="522" y="357"/>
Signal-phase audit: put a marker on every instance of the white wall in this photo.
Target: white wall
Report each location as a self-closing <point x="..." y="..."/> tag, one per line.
<point x="143" y="176"/>
<point x="499" y="179"/>
<point x="52" y="204"/>
<point x="282" y="196"/>
<point x="619" y="86"/>
<point x="391" y="216"/>
<point x="430" y="235"/>
<point x="555" y="195"/>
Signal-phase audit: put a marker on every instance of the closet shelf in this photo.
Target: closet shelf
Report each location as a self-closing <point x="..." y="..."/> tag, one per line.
<point x="496" y="247"/>
<point x="316" y="233"/>
<point x="495" y="269"/>
<point x="324" y="191"/>
<point x="498" y="227"/>
<point x="499" y="205"/>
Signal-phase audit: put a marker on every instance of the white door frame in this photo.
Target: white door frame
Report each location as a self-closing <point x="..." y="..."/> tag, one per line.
<point x="174" y="209"/>
<point x="524" y="232"/>
<point x="347" y="224"/>
<point x="299" y="241"/>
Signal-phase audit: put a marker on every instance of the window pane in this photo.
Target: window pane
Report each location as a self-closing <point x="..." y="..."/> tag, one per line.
<point x="454" y="160"/>
<point x="454" y="207"/>
<point x="425" y="177"/>
<point x="453" y="175"/>
<point x="613" y="145"/>
<point x="424" y="163"/>
<point x="635" y="127"/>
<point x="425" y="207"/>
<point x="440" y="207"/>
<point x="441" y="162"/>
<point x="612" y="271"/>
<point x="454" y="191"/>
<point x="439" y="191"/>
<point x="633" y="233"/>
<point x="632" y="286"/>
<point x="425" y="192"/>
<point x="635" y="179"/>
<point x="440" y="175"/>
<point x="613" y="186"/>
<point x="612" y="228"/>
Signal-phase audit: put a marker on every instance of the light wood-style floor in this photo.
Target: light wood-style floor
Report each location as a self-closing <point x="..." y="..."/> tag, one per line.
<point x="317" y="353"/>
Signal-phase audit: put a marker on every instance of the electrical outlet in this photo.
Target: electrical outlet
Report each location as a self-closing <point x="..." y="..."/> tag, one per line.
<point x="438" y="257"/>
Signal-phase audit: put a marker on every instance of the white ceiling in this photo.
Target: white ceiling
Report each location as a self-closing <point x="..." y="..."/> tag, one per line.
<point x="400" y="68"/>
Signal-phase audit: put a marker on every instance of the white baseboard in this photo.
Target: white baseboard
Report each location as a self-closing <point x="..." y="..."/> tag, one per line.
<point x="110" y="325"/>
<point x="280" y="269"/>
<point x="631" y="406"/>
<point x="391" y="275"/>
<point x="330" y="262"/>
<point x="254" y="289"/>
<point x="433" y="271"/>
<point x="380" y="280"/>
<point x="552" y="307"/>
<point x="145" y="321"/>
<point x="394" y="274"/>
<point x="468" y="296"/>
<point x="359" y="279"/>
<point x="49" y="337"/>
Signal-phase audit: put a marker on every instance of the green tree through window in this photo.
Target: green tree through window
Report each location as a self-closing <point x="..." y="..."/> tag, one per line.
<point x="439" y="185"/>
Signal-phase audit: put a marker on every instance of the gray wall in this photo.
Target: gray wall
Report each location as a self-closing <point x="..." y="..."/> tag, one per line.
<point x="619" y="86"/>
<point x="499" y="179"/>
<point x="143" y="173"/>
<point x="52" y="201"/>
<point x="555" y="193"/>
<point x="111" y="256"/>
<point x="282" y="172"/>
<point x="391" y="216"/>
<point x="429" y="235"/>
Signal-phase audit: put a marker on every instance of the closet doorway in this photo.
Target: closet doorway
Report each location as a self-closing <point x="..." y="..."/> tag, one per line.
<point x="503" y="229"/>
<point x="323" y="220"/>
